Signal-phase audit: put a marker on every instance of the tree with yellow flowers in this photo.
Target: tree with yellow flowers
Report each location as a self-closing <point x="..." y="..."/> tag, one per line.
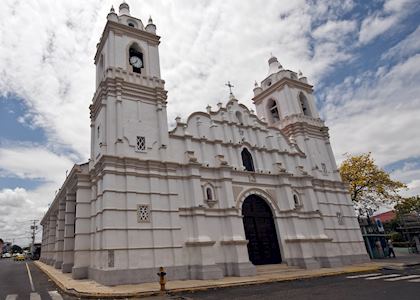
<point x="369" y="186"/>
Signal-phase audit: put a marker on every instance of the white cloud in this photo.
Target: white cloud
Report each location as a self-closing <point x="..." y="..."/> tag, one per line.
<point x="380" y="22"/>
<point x="374" y="26"/>
<point x="409" y="173"/>
<point x="409" y="46"/>
<point x="380" y="114"/>
<point x="18" y="207"/>
<point x="33" y="163"/>
<point x="335" y="30"/>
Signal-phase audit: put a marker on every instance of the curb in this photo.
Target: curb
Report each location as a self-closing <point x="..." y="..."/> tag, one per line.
<point x="78" y="294"/>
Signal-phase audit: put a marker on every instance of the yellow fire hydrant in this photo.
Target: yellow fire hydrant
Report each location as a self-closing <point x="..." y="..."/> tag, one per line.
<point x="162" y="279"/>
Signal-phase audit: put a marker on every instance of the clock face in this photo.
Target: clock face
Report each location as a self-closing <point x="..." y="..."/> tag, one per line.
<point x="136" y="62"/>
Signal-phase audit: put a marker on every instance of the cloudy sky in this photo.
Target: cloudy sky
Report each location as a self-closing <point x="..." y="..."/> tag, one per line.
<point x="363" y="58"/>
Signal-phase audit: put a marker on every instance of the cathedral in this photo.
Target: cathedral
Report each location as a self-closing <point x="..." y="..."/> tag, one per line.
<point x="226" y="190"/>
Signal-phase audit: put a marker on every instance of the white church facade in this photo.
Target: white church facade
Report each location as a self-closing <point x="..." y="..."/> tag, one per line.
<point x="221" y="193"/>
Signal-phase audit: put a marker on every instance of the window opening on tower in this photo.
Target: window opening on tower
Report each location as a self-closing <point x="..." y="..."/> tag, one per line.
<point x="304" y="104"/>
<point x="275" y="116"/>
<point x="247" y="161"/>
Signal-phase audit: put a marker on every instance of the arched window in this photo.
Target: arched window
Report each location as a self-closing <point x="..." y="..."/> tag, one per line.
<point x="209" y="194"/>
<point x="304" y="104"/>
<point x="274" y="112"/>
<point x="296" y="200"/>
<point x="247" y="160"/>
<point x="239" y="117"/>
<point x="135" y="58"/>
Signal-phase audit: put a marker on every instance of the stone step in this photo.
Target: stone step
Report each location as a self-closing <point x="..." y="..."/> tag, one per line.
<point x="276" y="269"/>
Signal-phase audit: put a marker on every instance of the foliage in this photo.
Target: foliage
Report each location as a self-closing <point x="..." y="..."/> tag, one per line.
<point x="397" y="237"/>
<point x="391" y="226"/>
<point x="369" y="186"/>
<point x="408" y="205"/>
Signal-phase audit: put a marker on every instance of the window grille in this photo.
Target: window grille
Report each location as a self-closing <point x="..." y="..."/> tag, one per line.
<point x="141" y="143"/>
<point x="143" y="213"/>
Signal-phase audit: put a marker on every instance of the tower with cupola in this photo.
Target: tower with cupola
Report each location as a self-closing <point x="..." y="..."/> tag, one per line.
<point x="128" y="113"/>
<point x="285" y="100"/>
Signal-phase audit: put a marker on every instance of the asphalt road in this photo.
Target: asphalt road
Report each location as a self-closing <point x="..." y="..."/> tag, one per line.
<point x="15" y="282"/>
<point x="388" y="284"/>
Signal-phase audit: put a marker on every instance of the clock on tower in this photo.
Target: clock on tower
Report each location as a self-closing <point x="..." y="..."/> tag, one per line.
<point x="136" y="59"/>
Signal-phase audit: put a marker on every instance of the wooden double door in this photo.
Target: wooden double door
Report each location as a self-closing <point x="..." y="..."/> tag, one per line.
<point x="260" y="231"/>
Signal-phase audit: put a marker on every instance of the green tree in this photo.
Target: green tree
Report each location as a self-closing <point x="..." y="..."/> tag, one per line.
<point x="369" y="186"/>
<point x="408" y="205"/>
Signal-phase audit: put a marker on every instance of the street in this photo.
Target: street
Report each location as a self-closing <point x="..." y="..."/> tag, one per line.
<point x="404" y="284"/>
<point x="383" y="285"/>
<point x="23" y="280"/>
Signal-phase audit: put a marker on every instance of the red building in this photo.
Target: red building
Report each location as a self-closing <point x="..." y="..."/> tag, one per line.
<point x="386" y="216"/>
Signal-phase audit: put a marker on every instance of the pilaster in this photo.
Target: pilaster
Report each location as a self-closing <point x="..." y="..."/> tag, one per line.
<point x="51" y="237"/>
<point x="82" y="232"/>
<point x="59" y="234"/>
<point x="69" y="225"/>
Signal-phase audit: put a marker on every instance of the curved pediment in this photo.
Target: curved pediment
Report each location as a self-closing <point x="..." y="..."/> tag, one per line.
<point x="233" y="123"/>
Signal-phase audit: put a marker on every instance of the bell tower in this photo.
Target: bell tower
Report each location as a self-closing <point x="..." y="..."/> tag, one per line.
<point x="128" y="113"/>
<point x="284" y="99"/>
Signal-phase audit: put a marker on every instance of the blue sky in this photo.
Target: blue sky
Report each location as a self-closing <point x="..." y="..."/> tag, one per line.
<point x="363" y="58"/>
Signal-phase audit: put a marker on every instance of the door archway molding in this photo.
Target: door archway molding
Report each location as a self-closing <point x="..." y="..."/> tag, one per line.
<point x="261" y="193"/>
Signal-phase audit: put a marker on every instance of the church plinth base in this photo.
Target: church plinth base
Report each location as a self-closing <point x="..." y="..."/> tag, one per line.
<point x="239" y="269"/>
<point x="58" y="264"/>
<point x="305" y="263"/>
<point x="205" y="272"/>
<point x="66" y="268"/>
<point x="79" y="272"/>
<point x="51" y="261"/>
<point x="331" y="262"/>
<point x="355" y="259"/>
<point x="133" y="276"/>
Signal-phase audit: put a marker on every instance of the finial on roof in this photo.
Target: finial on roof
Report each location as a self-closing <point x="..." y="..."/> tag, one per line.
<point x="112" y="16"/>
<point x="150" y="27"/>
<point x="300" y="73"/>
<point x="273" y="65"/>
<point x="256" y="84"/>
<point x="124" y="8"/>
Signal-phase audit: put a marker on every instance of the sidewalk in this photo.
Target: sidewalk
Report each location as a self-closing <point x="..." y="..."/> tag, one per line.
<point x="269" y="273"/>
<point x="401" y="261"/>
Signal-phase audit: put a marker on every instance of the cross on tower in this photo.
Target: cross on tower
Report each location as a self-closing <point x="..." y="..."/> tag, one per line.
<point x="230" y="87"/>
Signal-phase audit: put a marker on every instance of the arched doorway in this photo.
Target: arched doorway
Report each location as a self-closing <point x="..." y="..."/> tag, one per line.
<point x="260" y="231"/>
